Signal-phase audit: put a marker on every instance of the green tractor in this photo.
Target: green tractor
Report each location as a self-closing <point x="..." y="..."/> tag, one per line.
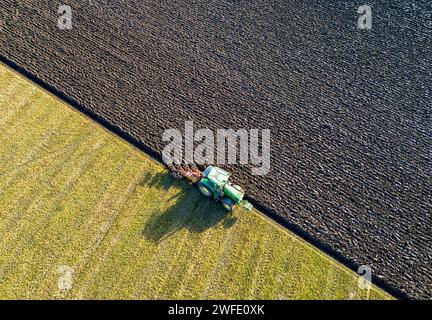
<point x="214" y="183"/>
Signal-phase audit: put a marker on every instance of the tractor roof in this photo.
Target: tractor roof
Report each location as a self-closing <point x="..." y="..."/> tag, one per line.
<point x="219" y="175"/>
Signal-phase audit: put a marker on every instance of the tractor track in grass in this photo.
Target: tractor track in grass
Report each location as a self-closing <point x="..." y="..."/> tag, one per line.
<point x="349" y="110"/>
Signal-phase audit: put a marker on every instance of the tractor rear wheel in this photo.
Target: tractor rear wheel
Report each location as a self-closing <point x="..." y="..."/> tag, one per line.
<point x="227" y="204"/>
<point x="205" y="190"/>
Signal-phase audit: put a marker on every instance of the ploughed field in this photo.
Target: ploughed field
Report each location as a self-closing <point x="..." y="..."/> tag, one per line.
<point x="85" y="215"/>
<point x="349" y="109"/>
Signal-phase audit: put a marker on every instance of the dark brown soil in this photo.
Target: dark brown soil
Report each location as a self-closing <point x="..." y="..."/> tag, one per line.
<point x="349" y="109"/>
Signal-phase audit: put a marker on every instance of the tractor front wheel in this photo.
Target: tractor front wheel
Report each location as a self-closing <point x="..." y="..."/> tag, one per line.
<point x="205" y="190"/>
<point x="227" y="204"/>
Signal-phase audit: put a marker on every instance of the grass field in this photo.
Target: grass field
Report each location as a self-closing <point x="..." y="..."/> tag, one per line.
<point x="85" y="215"/>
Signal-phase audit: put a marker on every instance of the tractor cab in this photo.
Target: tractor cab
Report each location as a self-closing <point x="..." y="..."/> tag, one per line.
<point x="215" y="183"/>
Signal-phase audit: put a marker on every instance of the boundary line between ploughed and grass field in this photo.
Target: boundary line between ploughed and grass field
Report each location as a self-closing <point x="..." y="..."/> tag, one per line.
<point x="117" y="130"/>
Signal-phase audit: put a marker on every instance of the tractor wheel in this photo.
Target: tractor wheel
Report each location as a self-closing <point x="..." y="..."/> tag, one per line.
<point x="205" y="190"/>
<point x="227" y="204"/>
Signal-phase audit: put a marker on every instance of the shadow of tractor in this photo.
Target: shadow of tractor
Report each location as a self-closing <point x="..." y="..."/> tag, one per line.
<point x="192" y="210"/>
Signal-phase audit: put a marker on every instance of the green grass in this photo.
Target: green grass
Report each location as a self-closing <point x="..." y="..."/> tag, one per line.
<point x="73" y="194"/>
